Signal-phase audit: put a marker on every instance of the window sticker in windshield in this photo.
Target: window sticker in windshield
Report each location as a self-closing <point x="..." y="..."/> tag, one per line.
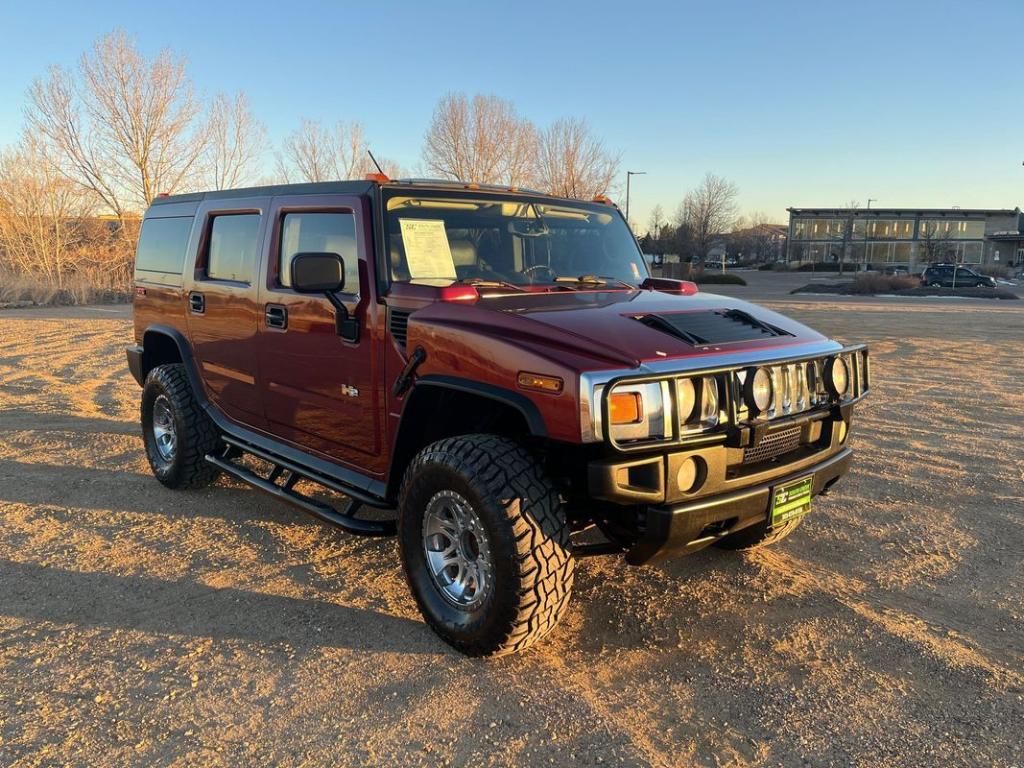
<point x="427" y="252"/>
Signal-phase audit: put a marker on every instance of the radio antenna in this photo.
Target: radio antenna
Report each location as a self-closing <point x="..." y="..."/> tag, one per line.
<point x="379" y="169"/>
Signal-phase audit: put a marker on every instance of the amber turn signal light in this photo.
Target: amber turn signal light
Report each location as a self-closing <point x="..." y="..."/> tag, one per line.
<point x="626" y="408"/>
<point x="537" y="381"/>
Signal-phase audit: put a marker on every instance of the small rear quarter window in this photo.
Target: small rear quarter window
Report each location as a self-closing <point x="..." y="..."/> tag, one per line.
<point x="162" y="244"/>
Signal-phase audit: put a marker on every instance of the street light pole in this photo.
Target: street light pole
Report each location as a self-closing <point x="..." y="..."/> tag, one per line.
<point x="870" y="201"/>
<point x="629" y="175"/>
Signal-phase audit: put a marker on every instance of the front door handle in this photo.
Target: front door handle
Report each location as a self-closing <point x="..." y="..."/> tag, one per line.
<point x="277" y="316"/>
<point x="197" y="303"/>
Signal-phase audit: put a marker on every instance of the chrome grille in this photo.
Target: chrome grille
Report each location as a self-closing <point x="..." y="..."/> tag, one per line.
<point x="772" y="445"/>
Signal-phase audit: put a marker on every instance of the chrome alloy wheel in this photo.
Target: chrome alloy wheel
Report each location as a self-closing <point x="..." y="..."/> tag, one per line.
<point x="456" y="549"/>
<point x="164" y="436"/>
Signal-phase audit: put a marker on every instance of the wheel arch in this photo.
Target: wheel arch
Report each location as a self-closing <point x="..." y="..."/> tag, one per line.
<point x="163" y="345"/>
<point x="467" y="407"/>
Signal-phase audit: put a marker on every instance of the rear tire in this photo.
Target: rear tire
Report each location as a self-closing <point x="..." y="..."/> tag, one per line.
<point x="499" y="580"/>
<point x="757" y="536"/>
<point x="176" y="430"/>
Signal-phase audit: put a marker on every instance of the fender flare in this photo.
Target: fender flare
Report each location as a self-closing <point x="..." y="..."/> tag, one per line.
<point x="515" y="400"/>
<point x="518" y="402"/>
<point x="184" y="352"/>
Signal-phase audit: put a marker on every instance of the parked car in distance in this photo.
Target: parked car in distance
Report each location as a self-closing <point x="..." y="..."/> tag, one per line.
<point x="494" y="370"/>
<point x="954" y="276"/>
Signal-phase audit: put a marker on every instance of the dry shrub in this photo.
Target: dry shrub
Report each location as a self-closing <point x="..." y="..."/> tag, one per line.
<point x="993" y="270"/>
<point x="868" y="284"/>
<point x="85" y="286"/>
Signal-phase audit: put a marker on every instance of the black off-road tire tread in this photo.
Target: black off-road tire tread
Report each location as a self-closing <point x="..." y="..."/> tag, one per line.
<point x="510" y="474"/>
<point x="758" y="536"/>
<point x="201" y="435"/>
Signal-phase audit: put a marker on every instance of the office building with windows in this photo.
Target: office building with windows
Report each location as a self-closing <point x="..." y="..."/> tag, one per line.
<point x="907" y="237"/>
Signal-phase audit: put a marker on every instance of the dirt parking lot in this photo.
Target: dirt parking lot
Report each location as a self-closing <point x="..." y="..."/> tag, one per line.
<point x="140" y="626"/>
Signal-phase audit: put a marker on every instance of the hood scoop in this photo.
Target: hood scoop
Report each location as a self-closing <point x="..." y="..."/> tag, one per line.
<point x="719" y="326"/>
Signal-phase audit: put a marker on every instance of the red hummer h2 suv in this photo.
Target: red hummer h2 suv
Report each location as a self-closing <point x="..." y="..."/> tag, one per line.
<point x="497" y="366"/>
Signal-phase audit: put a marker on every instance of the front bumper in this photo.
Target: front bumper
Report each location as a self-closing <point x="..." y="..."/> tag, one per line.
<point x="684" y="528"/>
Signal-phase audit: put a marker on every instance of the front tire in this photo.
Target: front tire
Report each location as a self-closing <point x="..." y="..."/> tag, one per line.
<point x="176" y="431"/>
<point x="484" y="544"/>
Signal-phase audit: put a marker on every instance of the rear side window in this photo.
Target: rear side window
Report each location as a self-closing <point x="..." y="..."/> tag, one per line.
<point x="162" y="244"/>
<point x="320" y="233"/>
<point x="233" y="247"/>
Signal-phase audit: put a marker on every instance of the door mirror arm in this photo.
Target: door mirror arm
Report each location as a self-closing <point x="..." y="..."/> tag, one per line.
<point x="346" y="326"/>
<point x="315" y="272"/>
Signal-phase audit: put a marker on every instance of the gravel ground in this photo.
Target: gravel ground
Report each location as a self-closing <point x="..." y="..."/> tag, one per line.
<point x="140" y="626"/>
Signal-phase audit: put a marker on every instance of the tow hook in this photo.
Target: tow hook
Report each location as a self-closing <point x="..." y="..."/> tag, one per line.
<point x="405" y="378"/>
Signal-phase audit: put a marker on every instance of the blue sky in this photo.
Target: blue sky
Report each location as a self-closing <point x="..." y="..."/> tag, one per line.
<point x="798" y="103"/>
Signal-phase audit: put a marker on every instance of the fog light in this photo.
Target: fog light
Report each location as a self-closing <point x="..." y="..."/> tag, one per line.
<point x="690" y="474"/>
<point x="843" y="431"/>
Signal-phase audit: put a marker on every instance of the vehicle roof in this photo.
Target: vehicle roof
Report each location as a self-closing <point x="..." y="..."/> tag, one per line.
<point x="312" y="188"/>
<point x="348" y="188"/>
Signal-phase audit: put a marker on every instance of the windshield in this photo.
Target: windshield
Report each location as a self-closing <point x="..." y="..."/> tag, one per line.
<point x="445" y="238"/>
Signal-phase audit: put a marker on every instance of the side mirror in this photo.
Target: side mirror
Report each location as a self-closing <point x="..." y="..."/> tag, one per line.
<point x="318" y="272"/>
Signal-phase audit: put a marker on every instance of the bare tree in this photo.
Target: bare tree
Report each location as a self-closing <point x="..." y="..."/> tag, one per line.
<point x="123" y="126"/>
<point x="316" y="153"/>
<point x="236" y="142"/>
<point x="483" y="141"/>
<point x="766" y="238"/>
<point x="935" y="241"/>
<point x="709" y="211"/>
<point x="573" y="163"/>
<point x="41" y="213"/>
<point x="656" y="222"/>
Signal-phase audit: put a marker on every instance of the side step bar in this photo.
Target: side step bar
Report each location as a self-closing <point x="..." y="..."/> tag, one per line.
<point x="286" y="492"/>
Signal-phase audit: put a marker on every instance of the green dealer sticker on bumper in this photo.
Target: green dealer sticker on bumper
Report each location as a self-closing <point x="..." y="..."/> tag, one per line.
<point x="791" y="500"/>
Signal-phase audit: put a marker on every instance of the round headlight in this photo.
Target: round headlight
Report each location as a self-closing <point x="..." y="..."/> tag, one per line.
<point x="687" y="399"/>
<point x="837" y="376"/>
<point x="757" y="389"/>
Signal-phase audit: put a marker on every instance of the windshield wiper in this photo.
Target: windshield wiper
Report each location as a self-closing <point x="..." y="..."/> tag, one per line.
<point x="480" y="282"/>
<point x="595" y="280"/>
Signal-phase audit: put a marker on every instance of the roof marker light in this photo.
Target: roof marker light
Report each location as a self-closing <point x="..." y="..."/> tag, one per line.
<point x="459" y="293"/>
<point x="380" y="178"/>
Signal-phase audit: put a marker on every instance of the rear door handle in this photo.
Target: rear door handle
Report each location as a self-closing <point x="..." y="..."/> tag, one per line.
<point x="277" y="316"/>
<point x="197" y="303"/>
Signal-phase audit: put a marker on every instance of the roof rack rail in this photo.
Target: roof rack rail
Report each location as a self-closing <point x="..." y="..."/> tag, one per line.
<point x="470" y="184"/>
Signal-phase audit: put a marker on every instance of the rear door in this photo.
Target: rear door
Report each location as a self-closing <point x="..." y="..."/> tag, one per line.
<point x="221" y="307"/>
<point x="321" y="390"/>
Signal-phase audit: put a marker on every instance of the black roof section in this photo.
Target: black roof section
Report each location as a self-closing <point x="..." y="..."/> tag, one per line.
<point x="350" y="188"/>
<point x="312" y="188"/>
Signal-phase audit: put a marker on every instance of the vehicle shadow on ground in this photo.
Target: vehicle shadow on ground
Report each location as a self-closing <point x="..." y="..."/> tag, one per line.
<point x="16" y="419"/>
<point x="139" y="603"/>
<point x="116" y="490"/>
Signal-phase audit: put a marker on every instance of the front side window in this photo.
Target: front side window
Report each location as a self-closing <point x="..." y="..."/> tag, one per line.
<point x="318" y="232"/>
<point x="234" y="243"/>
<point x="444" y="238"/>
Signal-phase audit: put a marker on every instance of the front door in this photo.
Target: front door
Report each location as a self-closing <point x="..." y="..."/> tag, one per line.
<point x="320" y="388"/>
<point x="221" y="305"/>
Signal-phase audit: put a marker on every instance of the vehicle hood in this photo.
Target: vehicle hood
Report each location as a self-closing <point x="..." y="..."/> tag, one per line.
<point x="623" y="328"/>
